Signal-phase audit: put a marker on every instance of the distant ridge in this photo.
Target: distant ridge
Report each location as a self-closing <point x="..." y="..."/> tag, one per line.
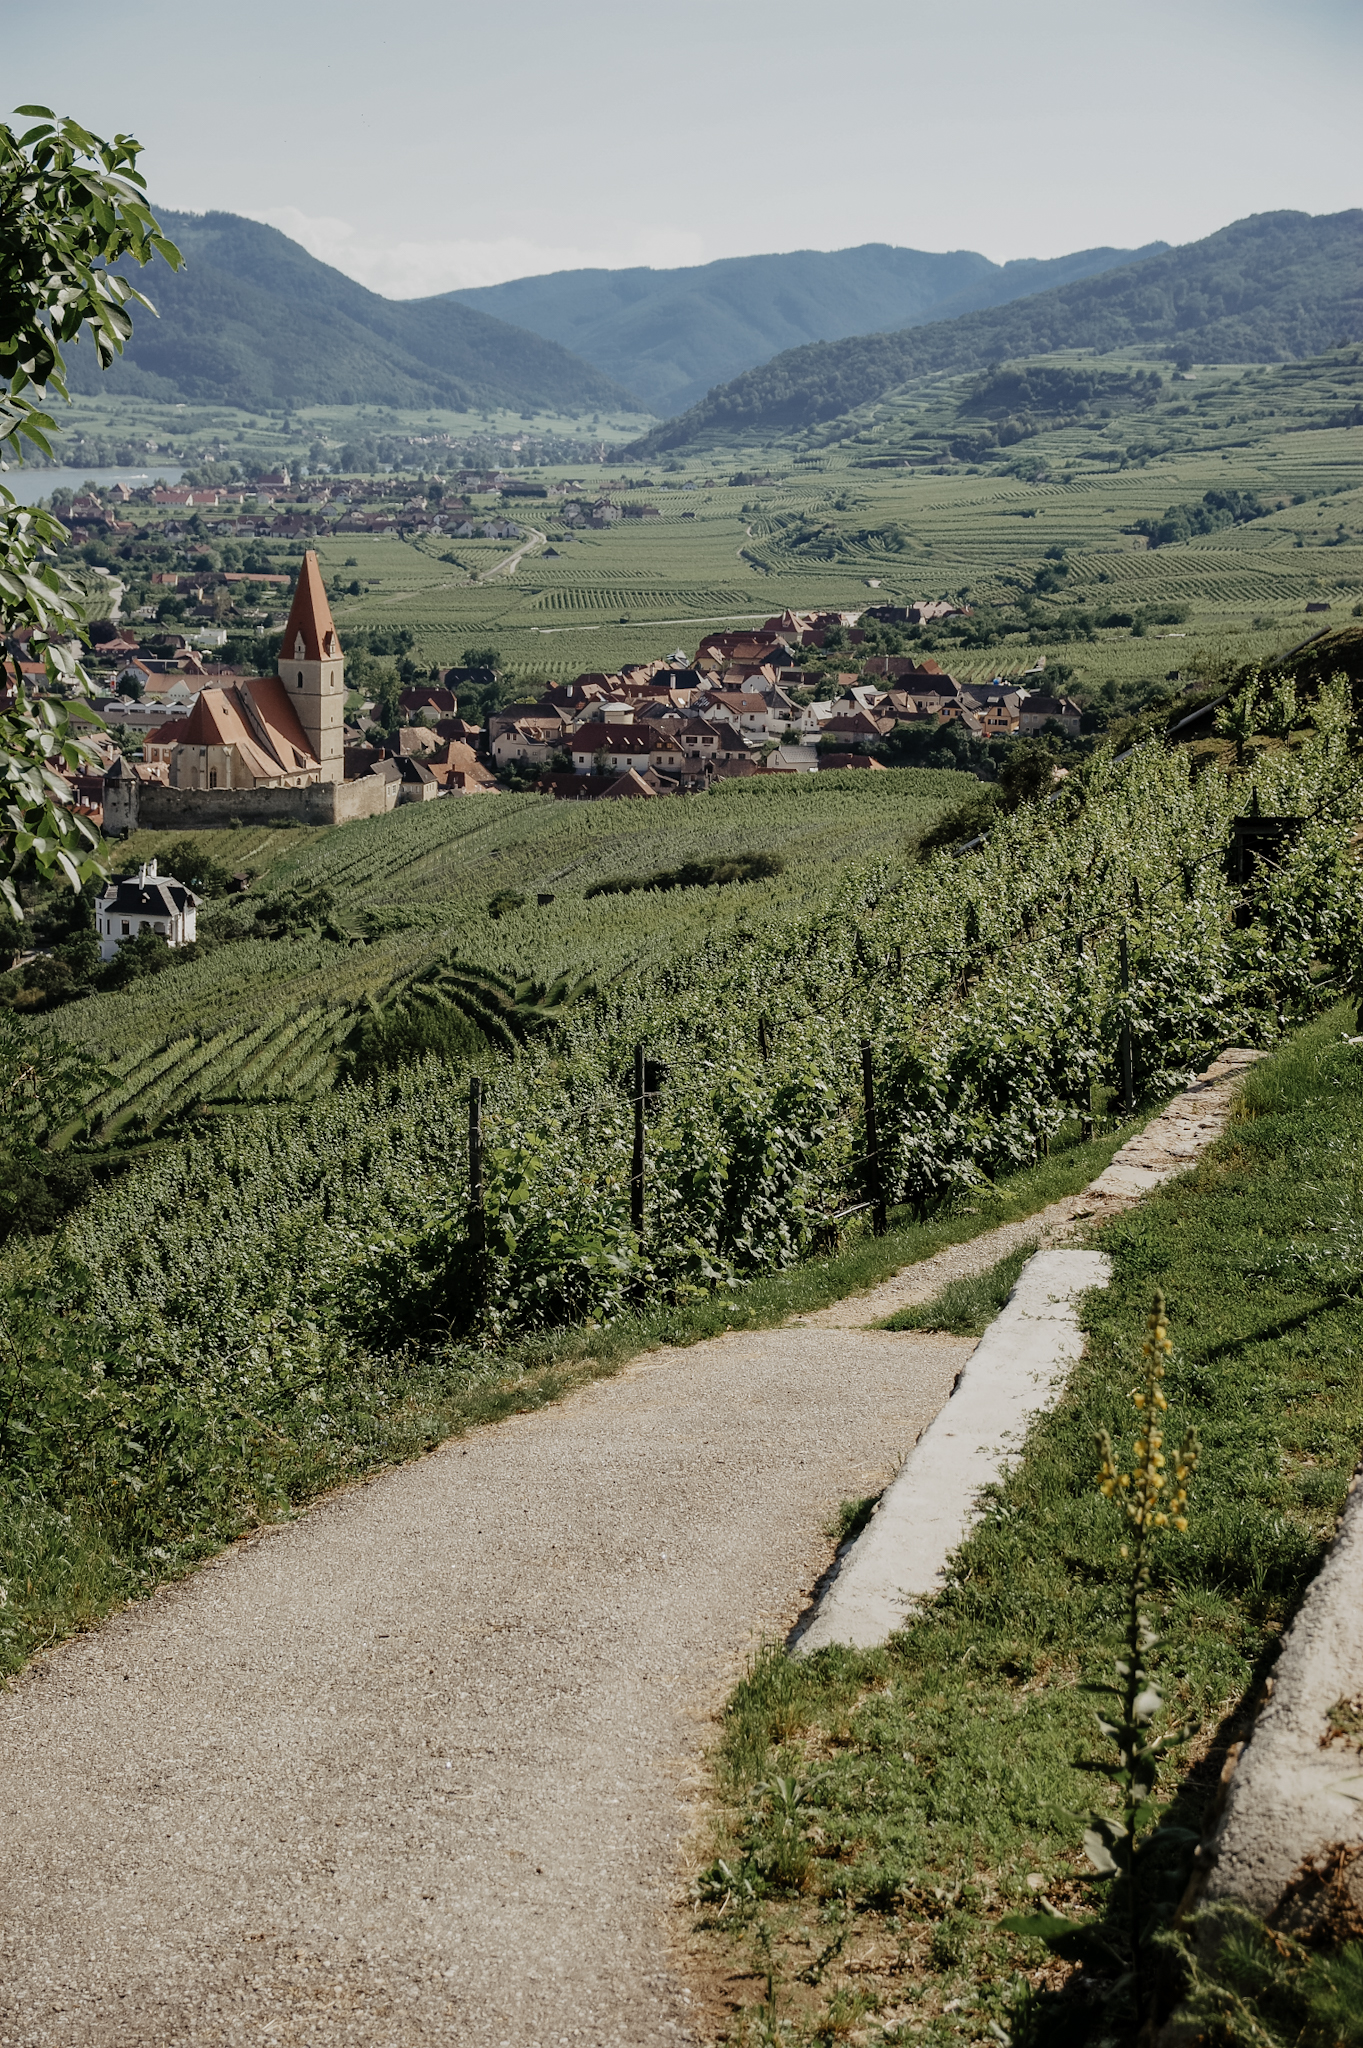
<point x="1271" y="288"/>
<point x="253" y="320"/>
<point x="670" y="335"/>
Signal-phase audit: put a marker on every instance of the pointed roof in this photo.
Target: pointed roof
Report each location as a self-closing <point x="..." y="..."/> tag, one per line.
<point x="631" y="783"/>
<point x="310" y="616"/>
<point x="256" y="718"/>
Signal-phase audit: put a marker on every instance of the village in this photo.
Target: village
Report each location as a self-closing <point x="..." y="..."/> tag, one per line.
<point x="739" y="706"/>
<point x="189" y="733"/>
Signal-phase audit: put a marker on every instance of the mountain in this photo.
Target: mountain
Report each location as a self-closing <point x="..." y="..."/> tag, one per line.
<point x="1268" y="289"/>
<point x="671" y="335"/>
<point x="253" y="320"/>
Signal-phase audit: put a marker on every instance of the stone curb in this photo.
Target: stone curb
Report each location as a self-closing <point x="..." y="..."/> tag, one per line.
<point x="1296" y="1795"/>
<point x="1015" y="1374"/>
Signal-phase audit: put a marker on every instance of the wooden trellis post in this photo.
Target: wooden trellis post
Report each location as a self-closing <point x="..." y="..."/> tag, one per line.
<point x="636" y="1176"/>
<point x="1085" y="1115"/>
<point x="477" y="1213"/>
<point x="879" y="1219"/>
<point x="1124" y="1049"/>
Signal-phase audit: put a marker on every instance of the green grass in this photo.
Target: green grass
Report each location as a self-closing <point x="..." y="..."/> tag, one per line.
<point x="939" y="1774"/>
<point x="214" y="1461"/>
<point x="966" y="1307"/>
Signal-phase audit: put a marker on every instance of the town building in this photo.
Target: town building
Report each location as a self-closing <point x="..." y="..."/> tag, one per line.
<point x="145" y="902"/>
<point x="1036" y="713"/>
<point x="271" y="732"/>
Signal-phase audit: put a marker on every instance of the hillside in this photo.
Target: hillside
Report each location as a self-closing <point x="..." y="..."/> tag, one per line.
<point x="254" y="321"/>
<point x="670" y="335"/>
<point x="1271" y="288"/>
<point x="419" y="881"/>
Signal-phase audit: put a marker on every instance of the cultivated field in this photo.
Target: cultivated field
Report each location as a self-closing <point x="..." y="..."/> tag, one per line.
<point x="883" y="513"/>
<point x="876" y="507"/>
<point x="413" y="886"/>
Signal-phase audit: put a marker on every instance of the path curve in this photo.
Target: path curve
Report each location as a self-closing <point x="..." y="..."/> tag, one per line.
<point x="416" y="1767"/>
<point x="509" y="564"/>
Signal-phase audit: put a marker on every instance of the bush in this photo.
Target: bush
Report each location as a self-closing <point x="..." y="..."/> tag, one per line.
<point x="148" y="953"/>
<point x="187" y="862"/>
<point x="695" y="874"/>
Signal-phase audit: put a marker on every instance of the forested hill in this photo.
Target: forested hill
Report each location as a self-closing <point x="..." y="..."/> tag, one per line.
<point x="669" y="335"/>
<point x="253" y="320"/>
<point x="1267" y="289"/>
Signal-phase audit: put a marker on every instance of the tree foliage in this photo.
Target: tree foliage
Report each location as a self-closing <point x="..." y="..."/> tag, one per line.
<point x="71" y="208"/>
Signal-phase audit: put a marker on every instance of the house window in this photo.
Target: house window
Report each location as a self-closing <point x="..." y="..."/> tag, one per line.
<point x="300" y="682"/>
<point x="212" y="778"/>
<point x="126" y="928"/>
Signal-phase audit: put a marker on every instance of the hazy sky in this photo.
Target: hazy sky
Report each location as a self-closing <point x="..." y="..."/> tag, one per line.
<point x="424" y="144"/>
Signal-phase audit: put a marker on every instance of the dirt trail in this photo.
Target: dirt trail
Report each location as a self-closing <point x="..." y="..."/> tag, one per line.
<point x="420" y="1766"/>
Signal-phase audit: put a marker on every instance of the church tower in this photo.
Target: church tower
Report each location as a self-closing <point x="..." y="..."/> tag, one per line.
<point x="312" y="670"/>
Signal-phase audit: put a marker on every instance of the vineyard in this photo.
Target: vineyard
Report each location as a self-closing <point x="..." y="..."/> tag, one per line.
<point x="269" y="1018"/>
<point x="991" y="992"/>
<point x="277" y="1061"/>
<point x="884" y="497"/>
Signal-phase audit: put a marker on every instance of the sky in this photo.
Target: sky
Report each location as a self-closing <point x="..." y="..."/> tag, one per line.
<point x="427" y="145"/>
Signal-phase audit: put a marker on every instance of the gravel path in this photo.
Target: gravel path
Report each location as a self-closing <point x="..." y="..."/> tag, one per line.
<point x="420" y="1766"/>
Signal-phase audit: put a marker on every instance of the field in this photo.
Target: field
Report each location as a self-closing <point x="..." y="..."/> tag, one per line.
<point x="847" y="524"/>
<point x="989" y="990"/>
<point x="262" y="1017"/>
<point x="100" y="430"/>
<point x="881" y="507"/>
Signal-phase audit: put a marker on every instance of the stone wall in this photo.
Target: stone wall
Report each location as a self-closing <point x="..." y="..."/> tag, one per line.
<point x="161" y="809"/>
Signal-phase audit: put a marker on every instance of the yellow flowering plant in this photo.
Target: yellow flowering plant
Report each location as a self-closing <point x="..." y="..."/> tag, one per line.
<point x="1153" y="1496"/>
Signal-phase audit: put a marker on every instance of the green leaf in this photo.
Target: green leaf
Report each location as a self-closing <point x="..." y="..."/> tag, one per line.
<point x="1040" y="1926"/>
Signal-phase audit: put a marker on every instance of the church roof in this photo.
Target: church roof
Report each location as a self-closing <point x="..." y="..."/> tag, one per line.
<point x="255" y="717"/>
<point x="310" y="617"/>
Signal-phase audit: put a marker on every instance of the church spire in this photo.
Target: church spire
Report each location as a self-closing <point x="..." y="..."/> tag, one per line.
<point x="310" y="634"/>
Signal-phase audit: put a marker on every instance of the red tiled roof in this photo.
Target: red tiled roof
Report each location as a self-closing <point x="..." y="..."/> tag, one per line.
<point x="458" y="764"/>
<point x="310" y="616"/>
<point x="255" y="717"/>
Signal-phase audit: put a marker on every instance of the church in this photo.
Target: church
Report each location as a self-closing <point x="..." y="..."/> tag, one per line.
<point x="269" y="732"/>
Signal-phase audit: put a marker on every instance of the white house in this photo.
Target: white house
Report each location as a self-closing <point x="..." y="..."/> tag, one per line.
<point x="147" y="902"/>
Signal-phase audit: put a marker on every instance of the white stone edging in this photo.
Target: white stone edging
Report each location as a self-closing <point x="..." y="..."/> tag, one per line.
<point x="1296" y="1793"/>
<point x="1015" y="1374"/>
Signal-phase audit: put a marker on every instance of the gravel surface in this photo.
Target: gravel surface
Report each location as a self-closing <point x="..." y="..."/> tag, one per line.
<point x="421" y="1765"/>
<point x="913" y="1284"/>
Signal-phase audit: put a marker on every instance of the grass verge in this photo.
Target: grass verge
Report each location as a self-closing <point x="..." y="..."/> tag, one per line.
<point x="879" y="1812"/>
<point x="966" y="1307"/>
<point x="119" y="1475"/>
